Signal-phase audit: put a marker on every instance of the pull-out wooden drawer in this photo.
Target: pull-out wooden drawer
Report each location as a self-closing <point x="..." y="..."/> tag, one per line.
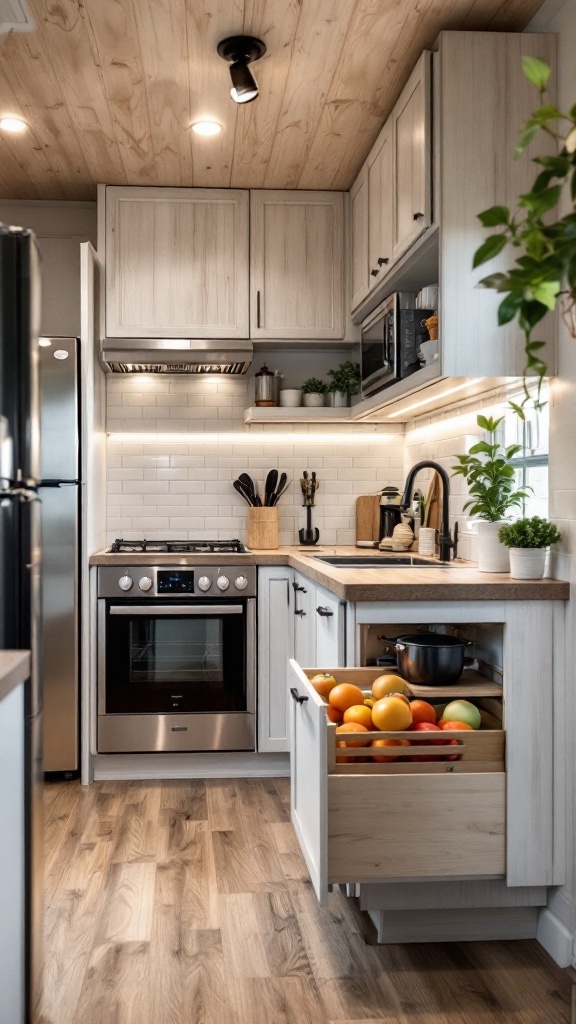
<point x="375" y="821"/>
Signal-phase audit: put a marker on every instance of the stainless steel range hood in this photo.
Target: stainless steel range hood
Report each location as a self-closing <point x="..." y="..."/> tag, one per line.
<point x="176" y="355"/>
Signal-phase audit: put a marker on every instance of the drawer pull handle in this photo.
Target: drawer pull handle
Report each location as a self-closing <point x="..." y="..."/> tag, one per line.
<point x="296" y="696"/>
<point x="324" y="611"/>
<point x="299" y="611"/>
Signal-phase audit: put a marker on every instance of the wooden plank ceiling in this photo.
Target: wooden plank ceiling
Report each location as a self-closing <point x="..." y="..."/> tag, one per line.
<point x="109" y="88"/>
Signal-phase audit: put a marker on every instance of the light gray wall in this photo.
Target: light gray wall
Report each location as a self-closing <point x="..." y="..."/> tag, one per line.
<point x="560" y="16"/>
<point x="59" y="228"/>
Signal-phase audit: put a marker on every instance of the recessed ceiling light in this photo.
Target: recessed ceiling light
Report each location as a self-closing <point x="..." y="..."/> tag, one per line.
<point x="13" y="124"/>
<point x="206" y="127"/>
<point x="44" y="342"/>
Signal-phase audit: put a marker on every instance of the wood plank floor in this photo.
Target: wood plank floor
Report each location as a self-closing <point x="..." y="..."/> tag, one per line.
<point x="189" y="903"/>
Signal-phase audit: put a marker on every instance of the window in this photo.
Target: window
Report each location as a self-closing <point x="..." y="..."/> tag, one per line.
<point x="532" y="462"/>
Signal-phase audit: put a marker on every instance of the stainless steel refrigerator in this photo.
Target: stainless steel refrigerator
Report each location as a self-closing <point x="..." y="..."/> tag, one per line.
<point x="20" y="546"/>
<point x="59" y="491"/>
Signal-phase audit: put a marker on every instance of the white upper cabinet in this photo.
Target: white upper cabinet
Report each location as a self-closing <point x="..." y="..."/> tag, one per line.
<point x="297" y="265"/>
<point x="359" y="226"/>
<point x="380" y="169"/>
<point x="176" y="262"/>
<point x="411" y="125"/>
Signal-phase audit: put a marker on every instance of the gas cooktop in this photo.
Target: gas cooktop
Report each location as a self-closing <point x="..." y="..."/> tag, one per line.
<point x="178" y="547"/>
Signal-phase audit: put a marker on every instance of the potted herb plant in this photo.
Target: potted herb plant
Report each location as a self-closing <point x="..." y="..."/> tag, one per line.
<point x="490" y="477"/>
<point x="345" y="383"/>
<point x="527" y="540"/>
<point x="313" y="391"/>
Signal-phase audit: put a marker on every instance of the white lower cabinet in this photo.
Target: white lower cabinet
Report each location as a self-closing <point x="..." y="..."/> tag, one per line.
<point x="12" y="858"/>
<point x="296" y="619"/>
<point x="275" y="647"/>
<point x="330" y="614"/>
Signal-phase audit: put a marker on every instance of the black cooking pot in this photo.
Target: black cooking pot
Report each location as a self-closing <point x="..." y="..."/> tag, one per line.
<point x="430" y="659"/>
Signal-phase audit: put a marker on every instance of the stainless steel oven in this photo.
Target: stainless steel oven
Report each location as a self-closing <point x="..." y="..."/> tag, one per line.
<point x="176" y="658"/>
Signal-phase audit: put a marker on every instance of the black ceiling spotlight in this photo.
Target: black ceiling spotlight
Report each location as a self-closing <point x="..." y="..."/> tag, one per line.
<point x="240" y="51"/>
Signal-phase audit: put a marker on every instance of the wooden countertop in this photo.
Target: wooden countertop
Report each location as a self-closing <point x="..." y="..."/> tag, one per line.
<point x="460" y="581"/>
<point x="14" y="669"/>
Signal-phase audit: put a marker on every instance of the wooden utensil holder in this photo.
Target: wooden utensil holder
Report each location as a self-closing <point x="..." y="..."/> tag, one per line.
<point x="262" y="528"/>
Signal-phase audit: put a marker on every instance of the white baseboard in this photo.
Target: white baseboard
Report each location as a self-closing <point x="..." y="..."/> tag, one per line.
<point x="555" y="937"/>
<point x="110" y="767"/>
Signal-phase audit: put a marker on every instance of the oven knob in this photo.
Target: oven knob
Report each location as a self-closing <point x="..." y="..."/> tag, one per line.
<point x="125" y="582"/>
<point x="204" y="583"/>
<point x="240" y="583"/>
<point x="145" y="583"/>
<point x="223" y="583"/>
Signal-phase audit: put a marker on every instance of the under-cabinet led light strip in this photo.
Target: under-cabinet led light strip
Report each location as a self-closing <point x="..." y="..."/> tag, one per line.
<point x="435" y="398"/>
<point x="237" y="438"/>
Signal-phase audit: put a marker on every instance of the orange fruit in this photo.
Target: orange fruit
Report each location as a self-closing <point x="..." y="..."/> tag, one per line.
<point x="388" y="743"/>
<point x="455" y="725"/>
<point x="334" y="715"/>
<point x="323" y="682"/>
<point x="386" y="684"/>
<point x="352" y="727"/>
<point x="401" y="696"/>
<point x="360" y="714"/>
<point x="391" y="714"/>
<point x="422" y="711"/>
<point x="344" y="695"/>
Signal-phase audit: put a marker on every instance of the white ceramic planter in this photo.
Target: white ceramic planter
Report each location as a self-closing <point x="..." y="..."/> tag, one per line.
<point x="527" y="563"/>
<point x="313" y="400"/>
<point x="493" y="556"/>
<point x="290" y="398"/>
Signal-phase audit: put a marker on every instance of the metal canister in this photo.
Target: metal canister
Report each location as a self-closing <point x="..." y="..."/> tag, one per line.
<point x="267" y="387"/>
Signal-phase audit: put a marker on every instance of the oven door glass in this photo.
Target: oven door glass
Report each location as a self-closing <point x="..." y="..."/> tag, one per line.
<point x="183" y="658"/>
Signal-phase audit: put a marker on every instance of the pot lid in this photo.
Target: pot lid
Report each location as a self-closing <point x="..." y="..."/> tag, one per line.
<point x="264" y="372"/>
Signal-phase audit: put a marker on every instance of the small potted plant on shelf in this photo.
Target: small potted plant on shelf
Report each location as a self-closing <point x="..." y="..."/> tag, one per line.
<point x="527" y="540"/>
<point x="491" y="484"/>
<point x="345" y="383"/>
<point x="313" y="391"/>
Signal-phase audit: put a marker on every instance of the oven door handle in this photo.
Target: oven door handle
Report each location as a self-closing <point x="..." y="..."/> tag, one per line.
<point x="177" y="609"/>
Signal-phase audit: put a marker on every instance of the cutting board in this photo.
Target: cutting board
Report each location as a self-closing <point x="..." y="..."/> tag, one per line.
<point x="432" y="505"/>
<point x="367" y="517"/>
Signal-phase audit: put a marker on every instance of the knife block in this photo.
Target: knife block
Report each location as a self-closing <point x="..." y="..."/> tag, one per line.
<point x="262" y="528"/>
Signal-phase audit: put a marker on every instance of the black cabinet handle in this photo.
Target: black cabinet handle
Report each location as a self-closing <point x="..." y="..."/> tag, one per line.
<point x="299" y="611"/>
<point x="324" y="611"/>
<point x="374" y="273"/>
<point x="296" y="696"/>
<point x="417" y="216"/>
<point x="257" y="309"/>
<point x="382" y="260"/>
<point x="298" y="587"/>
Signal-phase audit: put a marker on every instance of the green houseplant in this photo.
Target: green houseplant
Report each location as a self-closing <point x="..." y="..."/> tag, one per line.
<point x="544" y="271"/>
<point x="490" y="476"/>
<point x="527" y="540"/>
<point x="345" y="382"/>
<point x="313" y="391"/>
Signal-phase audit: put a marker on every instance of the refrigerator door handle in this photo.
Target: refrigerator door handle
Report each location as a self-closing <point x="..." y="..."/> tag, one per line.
<point x="22" y="493"/>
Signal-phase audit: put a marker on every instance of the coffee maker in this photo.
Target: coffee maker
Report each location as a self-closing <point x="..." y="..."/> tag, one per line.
<point x="390" y="511"/>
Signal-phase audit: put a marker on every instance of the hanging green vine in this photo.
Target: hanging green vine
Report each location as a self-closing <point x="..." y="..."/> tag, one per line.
<point x="544" y="274"/>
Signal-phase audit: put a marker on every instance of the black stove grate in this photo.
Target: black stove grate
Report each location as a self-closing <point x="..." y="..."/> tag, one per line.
<point x="176" y="547"/>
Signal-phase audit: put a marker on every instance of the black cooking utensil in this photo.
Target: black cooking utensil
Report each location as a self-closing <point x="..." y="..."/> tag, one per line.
<point x="270" y="486"/>
<point x="250" y="487"/>
<point x="238" y="486"/>
<point x="282" y="485"/>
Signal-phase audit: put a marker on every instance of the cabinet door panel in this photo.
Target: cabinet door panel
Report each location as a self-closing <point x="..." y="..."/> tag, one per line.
<point x="412" y="139"/>
<point x="381" y="205"/>
<point x="176" y="263"/>
<point x="359" y="256"/>
<point x="275" y="646"/>
<point x="330" y="630"/>
<point x="297" y="265"/>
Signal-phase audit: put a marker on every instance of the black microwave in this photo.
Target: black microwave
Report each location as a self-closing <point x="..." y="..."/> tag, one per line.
<point x="390" y="338"/>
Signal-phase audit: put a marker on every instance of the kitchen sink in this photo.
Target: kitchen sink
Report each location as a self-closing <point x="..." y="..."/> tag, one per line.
<point x="380" y="562"/>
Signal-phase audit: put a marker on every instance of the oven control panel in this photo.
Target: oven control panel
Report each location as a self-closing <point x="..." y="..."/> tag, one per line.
<point x="142" y="581"/>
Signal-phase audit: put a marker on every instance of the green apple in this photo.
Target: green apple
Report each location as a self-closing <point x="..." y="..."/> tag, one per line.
<point x="462" y="711"/>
